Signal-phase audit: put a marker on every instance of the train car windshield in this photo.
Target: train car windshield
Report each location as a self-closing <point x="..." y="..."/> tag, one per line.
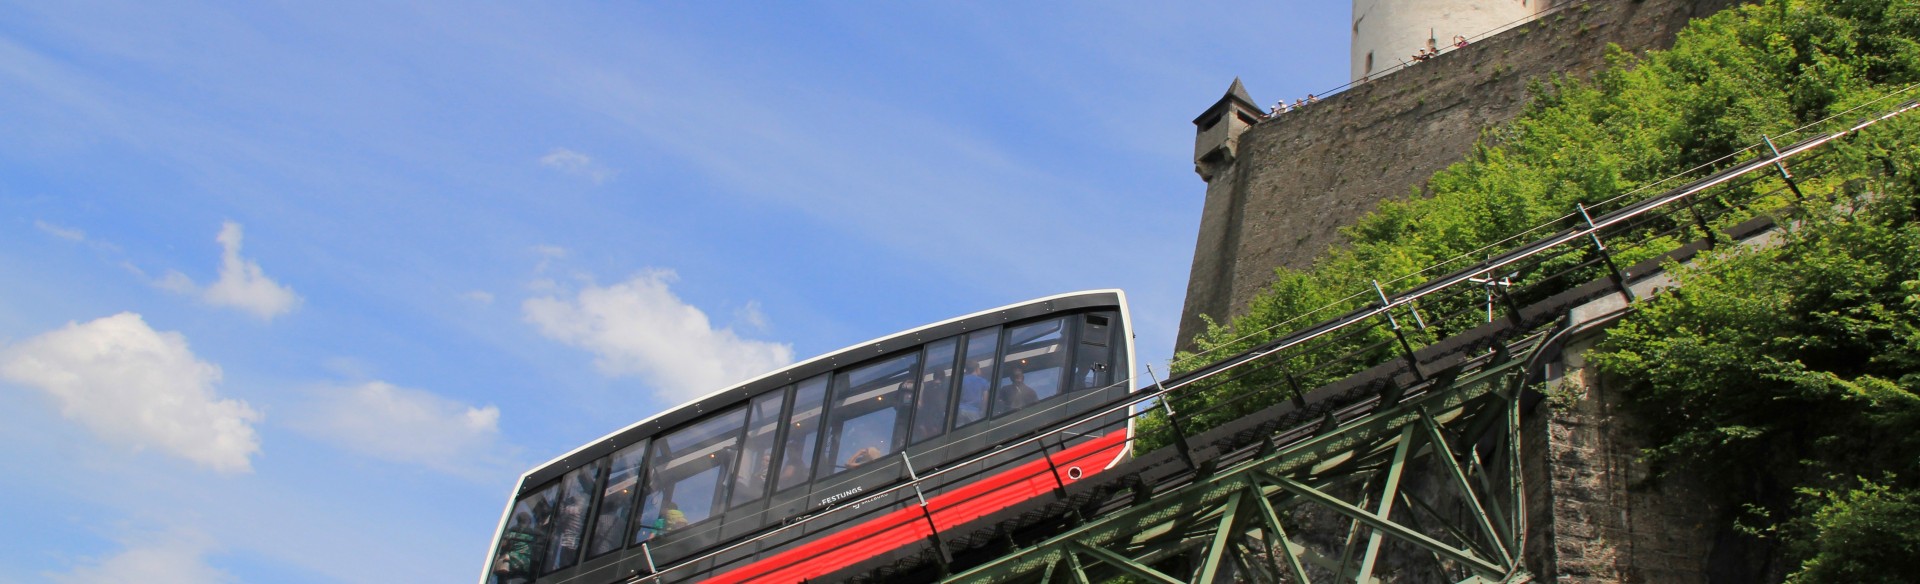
<point x="570" y="521"/>
<point x="936" y="383"/>
<point x="684" y="477"/>
<point x="756" y="462"/>
<point x="870" y="412"/>
<point x="524" y="543"/>
<point x="796" y="457"/>
<point x="616" y="501"/>
<point x="976" y="369"/>
<point x="1034" y="364"/>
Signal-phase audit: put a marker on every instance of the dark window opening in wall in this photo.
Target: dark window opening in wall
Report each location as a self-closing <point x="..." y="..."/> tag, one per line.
<point x="1217" y="156"/>
<point x="1369" y="69"/>
<point x="1209" y="124"/>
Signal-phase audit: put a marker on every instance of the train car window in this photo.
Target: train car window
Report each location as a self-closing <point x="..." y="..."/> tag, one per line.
<point x="803" y="428"/>
<point x="617" y="495"/>
<point x="1033" y="365"/>
<point x="524" y="543"/>
<point x="1093" y="358"/>
<point x="684" y="475"/>
<point x="869" y="413"/>
<point x="570" y="521"/>
<point x="936" y="386"/>
<point x="756" y="459"/>
<point x="976" y="369"/>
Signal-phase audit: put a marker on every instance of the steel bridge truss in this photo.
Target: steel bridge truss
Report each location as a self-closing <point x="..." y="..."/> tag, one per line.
<point x="1327" y="508"/>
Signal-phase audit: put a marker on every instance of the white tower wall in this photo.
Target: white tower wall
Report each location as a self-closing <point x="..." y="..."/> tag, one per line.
<point x="1391" y="31"/>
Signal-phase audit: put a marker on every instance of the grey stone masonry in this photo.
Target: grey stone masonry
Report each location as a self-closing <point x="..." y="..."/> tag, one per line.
<point x="1595" y="514"/>
<point x="1279" y="190"/>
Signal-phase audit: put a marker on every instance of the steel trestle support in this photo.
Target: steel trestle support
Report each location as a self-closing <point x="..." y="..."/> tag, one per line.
<point x="1267" y="519"/>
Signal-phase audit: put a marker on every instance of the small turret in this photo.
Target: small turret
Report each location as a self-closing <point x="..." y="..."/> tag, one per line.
<point x="1218" y="139"/>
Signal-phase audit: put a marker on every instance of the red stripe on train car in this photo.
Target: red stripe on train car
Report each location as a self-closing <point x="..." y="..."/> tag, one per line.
<point x="905" y="527"/>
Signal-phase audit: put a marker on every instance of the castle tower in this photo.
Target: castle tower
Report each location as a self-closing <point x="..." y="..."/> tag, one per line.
<point x="1218" y="138"/>
<point x="1388" y="32"/>
<point x="1216" y="146"/>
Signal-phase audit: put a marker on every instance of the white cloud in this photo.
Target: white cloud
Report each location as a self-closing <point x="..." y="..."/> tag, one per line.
<point x="174" y="282"/>
<point x="576" y="164"/>
<point x="548" y="254"/>
<point x="130" y="384"/>
<point x="640" y="327"/>
<point x="481" y="297"/>
<point x="73" y="234"/>
<point x="242" y="284"/>
<point x="67" y="233"/>
<point x="750" y="316"/>
<point x="404" y="425"/>
<point x="178" y="557"/>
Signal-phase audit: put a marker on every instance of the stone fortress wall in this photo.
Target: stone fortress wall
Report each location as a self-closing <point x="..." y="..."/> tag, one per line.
<point x="1278" y="189"/>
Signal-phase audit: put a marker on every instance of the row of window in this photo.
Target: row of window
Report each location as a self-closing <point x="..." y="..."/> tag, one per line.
<point x="816" y="428"/>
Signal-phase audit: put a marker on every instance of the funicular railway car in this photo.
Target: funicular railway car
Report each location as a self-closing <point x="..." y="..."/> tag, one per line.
<point x="771" y="480"/>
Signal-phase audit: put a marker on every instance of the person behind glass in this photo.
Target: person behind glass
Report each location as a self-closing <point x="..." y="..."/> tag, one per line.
<point x="903" y="395"/>
<point x="651" y="521"/>
<point x="515" y="562"/>
<point x="1017" y="395"/>
<point x="973" y="393"/>
<point x="613" y="517"/>
<point x="573" y="517"/>
<point x="863" y="456"/>
<point x="789" y="473"/>
<point x="752" y="480"/>
<point x="673" y="518"/>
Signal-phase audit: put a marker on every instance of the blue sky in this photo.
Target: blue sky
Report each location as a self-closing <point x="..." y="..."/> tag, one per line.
<point x="294" y="292"/>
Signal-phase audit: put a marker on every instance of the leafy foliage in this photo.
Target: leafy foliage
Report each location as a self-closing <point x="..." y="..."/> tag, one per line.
<point x="1870" y="533"/>
<point x="1804" y="357"/>
<point x="1798" y="367"/>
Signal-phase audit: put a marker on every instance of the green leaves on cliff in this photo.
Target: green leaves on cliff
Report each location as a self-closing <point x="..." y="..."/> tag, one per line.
<point x="1797" y="367"/>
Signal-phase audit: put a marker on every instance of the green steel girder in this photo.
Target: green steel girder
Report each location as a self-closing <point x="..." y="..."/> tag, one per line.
<point x="1271" y="521"/>
<point x="1447" y="460"/>
<point x="1204" y="517"/>
<point x="1381" y="524"/>
<point x="1386" y="502"/>
<point x="1124" y="564"/>
<point x="1218" y="548"/>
